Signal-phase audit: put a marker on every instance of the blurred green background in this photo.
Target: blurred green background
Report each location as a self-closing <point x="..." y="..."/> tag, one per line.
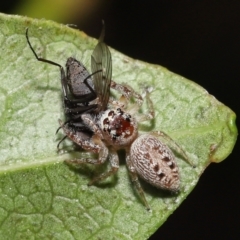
<point x="58" y="10"/>
<point x="196" y="39"/>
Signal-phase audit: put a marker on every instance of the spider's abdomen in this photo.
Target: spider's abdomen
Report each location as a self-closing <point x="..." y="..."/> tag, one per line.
<point x="119" y="128"/>
<point x="155" y="163"/>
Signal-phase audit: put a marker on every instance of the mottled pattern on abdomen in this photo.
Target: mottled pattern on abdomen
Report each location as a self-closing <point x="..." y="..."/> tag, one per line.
<point x="155" y="162"/>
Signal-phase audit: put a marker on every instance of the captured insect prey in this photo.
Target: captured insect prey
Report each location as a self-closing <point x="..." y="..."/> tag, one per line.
<point x="78" y="85"/>
<point x="103" y="125"/>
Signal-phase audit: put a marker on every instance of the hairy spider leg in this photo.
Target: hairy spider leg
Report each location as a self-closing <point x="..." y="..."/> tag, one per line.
<point x="173" y="145"/>
<point x="95" y="145"/>
<point x="134" y="178"/>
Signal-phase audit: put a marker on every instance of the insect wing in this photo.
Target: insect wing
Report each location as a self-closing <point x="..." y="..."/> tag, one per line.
<point x="101" y="63"/>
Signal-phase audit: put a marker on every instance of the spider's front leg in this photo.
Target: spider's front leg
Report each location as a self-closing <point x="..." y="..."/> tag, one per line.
<point x="95" y="145"/>
<point x="150" y="113"/>
<point x="92" y="144"/>
<point x="127" y="92"/>
<point x="114" y="162"/>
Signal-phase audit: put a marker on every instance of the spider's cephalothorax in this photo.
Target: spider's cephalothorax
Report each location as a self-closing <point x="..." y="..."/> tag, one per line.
<point x="119" y="129"/>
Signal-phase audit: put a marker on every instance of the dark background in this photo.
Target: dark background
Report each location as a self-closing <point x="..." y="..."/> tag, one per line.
<point x="199" y="40"/>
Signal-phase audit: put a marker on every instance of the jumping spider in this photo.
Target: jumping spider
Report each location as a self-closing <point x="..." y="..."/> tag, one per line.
<point x="146" y="156"/>
<point x="107" y="126"/>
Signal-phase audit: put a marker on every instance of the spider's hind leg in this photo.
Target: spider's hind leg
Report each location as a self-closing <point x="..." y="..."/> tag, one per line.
<point x="127" y="92"/>
<point x="173" y="145"/>
<point x="136" y="182"/>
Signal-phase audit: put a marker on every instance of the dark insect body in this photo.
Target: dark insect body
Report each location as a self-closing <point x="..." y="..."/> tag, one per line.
<point x="79" y="86"/>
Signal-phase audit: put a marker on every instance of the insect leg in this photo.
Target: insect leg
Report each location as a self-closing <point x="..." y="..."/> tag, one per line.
<point x="61" y="141"/>
<point x="63" y="76"/>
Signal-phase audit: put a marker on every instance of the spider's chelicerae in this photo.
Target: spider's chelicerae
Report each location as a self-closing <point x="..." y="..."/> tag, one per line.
<point x="117" y="128"/>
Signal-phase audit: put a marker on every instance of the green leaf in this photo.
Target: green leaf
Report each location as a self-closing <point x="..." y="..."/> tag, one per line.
<point x="41" y="197"/>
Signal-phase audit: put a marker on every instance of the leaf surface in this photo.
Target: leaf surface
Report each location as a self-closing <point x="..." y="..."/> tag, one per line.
<point x="40" y="196"/>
